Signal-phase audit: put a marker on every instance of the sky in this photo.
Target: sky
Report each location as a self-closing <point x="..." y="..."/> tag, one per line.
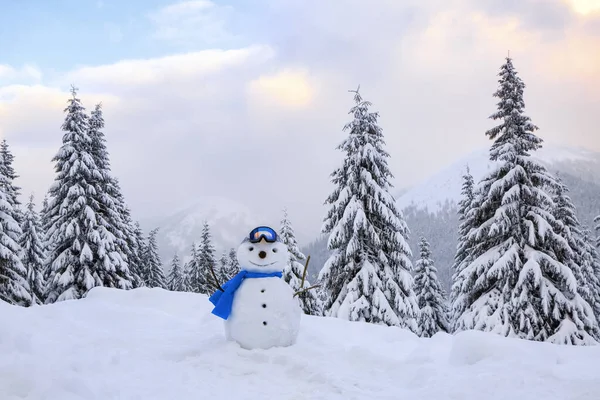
<point x="247" y="99"/>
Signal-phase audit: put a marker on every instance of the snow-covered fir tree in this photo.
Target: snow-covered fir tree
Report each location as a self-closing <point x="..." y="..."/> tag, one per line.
<point x="223" y="269"/>
<point x="206" y="261"/>
<point x="367" y="278"/>
<point x="580" y="260"/>
<point x="136" y="261"/>
<point x="234" y="265"/>
<point x="597" y="221"/>
<point x="32" y="246"/>
<point x="14" y="287"/>
<point x="517" y="283"/>
<point x="197" y="277"/>
<point x="154" y="275"/>
<point x="294" y="269"/>
<point x="116" y="210"/>
<point x="85" y="252"/>
<point x="592" y="257"/>
<point x="175" y="278"/>
<point x="8" y="185"/>
<point x="46" y="243"/>
<point x="464" y="246"/>
<point x="433" y="316"/>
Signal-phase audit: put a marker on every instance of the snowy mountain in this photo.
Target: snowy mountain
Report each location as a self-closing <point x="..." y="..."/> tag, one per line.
<point x="227" y="220"/>
<point x="155" y="345"/>
<point x="445" y="186"/>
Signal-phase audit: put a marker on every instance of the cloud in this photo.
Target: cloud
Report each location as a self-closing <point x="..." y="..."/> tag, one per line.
<point x="195" y="122"/>
<point x="191" y="23"/>
<point x="585" y="7"/>
<point x="289" y="88"/>
<point x="179" y="67"/>
<point x="27" y="73"/>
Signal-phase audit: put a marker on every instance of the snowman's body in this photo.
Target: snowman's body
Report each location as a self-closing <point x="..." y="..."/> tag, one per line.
<point x="264" y="314"/>
<point x="264" y="311"/>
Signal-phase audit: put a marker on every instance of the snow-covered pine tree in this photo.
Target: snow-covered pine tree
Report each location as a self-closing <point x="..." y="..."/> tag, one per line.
<point x="294" y="269"/>
<point x="367" y="278"/>
<point x="223" y="270"/>
<point x="175" y="278"/>
<point x="597" y="221"/>
<point x="206" y="261"/>
<point x="592" y="258"/>
<point x="234" y="265"/>
<point x="197" y="280"/>
<point x="517" y="284"/>
<point x="32" y="246"/>
<point x="154" y="275"/>
<point x="464" y="246"/>
<point x="116" y="210"/>
<point x="46" y="243"/>
<point x="580" y="260"/>
<point x="85" y="252"/>
<point x="433" y="316"/>
<point x="14" y="287"/>
<point x="12" y="191"/>
<point x="137" y="264"/>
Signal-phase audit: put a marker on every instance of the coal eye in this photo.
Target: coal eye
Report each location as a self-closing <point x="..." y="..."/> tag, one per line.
<point x="250" y="248"/>
<point x="274" y="250"/>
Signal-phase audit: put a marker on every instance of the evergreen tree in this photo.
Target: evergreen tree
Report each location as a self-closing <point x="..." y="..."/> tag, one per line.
<point x="517" y="283"/>
<point x="433" y="316"/>
<point x="591" y="258"/>
<point x="14" y="287"/>
<point x="234" y="265"/>
<point x="198" y="280"/>
<point x="580" y="261"/>
<point x="32" y="244"/>
<point x="46" y="243"/>
<point x="8" y="183"/>
<point x="85" y="252"/>
<point x="154" y="275"/>
<point x="223" y="270"/>
<point x="597" y="221"/>
<point x="294" y="269"/>
<point x="187" y="273"/>
<point x="464" y="246"/>
<point x="116" y="210"/>
<point x="206" y="260"/>
<point x="137" y="264"/>
<point x="367" y="278"/>
<point x="175" y="279"/>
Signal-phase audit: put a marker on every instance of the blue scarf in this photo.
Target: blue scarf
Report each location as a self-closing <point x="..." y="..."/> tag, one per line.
<point x="224" y="300"/>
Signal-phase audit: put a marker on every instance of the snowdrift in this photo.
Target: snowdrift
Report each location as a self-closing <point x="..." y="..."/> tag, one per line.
<point x="154" y="344"/>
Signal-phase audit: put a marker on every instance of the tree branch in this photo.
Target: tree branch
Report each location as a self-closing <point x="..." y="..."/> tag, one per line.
<point x="212" y="271"/>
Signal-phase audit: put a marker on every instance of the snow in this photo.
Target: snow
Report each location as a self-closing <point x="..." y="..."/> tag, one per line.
<point x="153" y="344"/>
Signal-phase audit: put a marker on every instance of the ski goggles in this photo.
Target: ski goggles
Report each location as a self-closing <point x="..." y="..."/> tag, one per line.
<point x="262" y="233"/>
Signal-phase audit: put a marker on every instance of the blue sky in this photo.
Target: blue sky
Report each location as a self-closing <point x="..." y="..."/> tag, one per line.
<point x="59" y="35"/>
<point x="209" y="86"/>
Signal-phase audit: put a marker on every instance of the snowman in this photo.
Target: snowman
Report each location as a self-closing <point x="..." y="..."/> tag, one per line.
<point x="259" y="308"/>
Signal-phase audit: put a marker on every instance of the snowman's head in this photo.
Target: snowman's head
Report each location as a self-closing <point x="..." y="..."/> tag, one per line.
<point x="262" y="251"/>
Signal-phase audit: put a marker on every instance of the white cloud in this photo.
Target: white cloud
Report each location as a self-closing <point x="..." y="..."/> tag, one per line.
<point x="179" y="67"/>
<point x="27" y="72"/>
<point x="192" y="23"/>
<point x="288" y="88"/>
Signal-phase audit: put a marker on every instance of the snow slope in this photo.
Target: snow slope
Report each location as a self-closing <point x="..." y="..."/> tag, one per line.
<point x="153" y="344"/>
<point x="445" y="186"/>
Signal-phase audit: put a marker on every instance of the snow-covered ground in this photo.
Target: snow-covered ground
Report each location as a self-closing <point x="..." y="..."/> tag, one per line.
<point x="153" y="344"/>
